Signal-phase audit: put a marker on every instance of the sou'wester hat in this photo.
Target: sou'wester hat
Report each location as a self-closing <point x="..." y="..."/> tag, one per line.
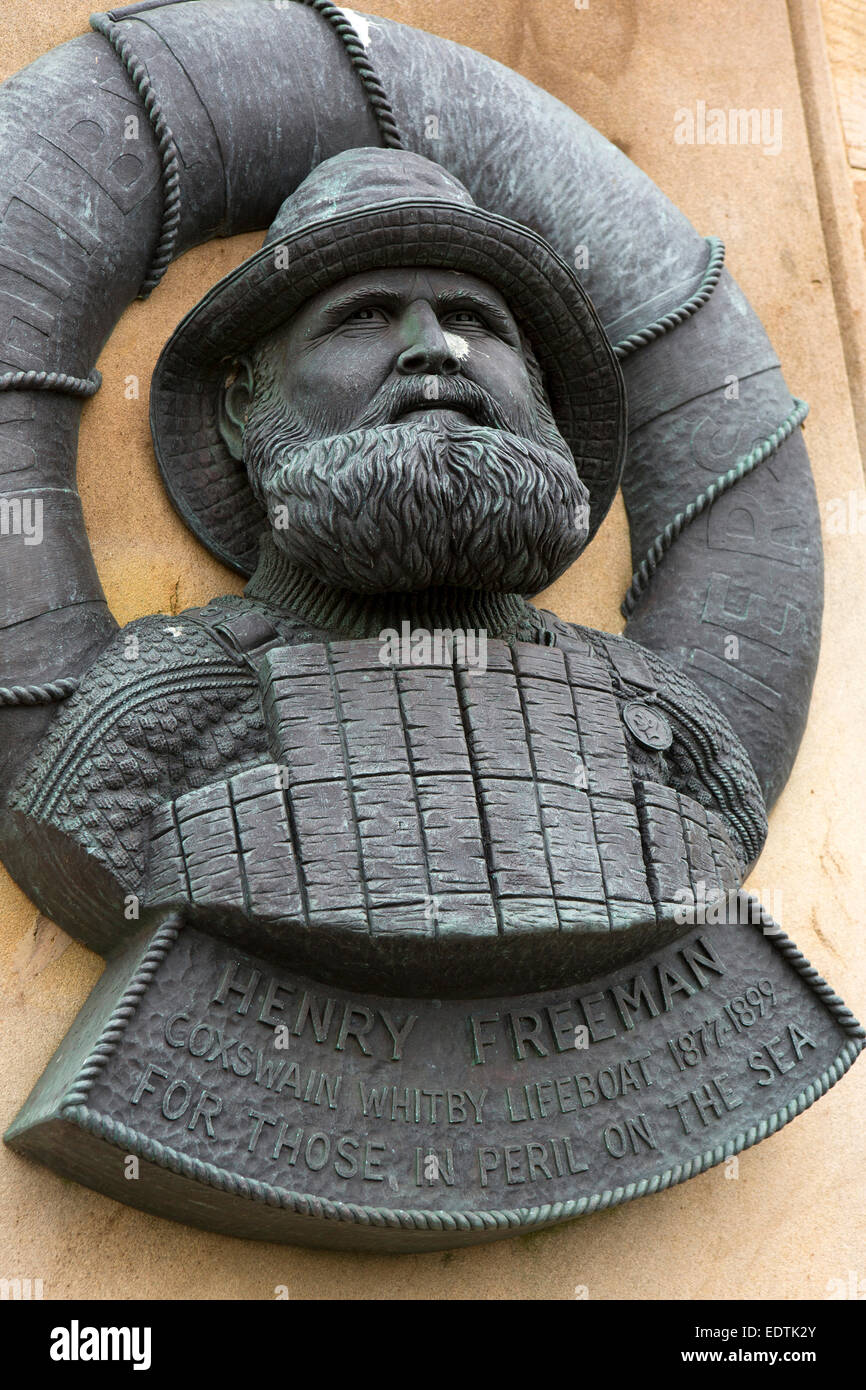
<point x="363" y="209"/>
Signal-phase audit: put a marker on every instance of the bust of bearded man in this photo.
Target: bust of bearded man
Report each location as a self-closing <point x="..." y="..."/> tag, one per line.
<point x="402" y="418"/>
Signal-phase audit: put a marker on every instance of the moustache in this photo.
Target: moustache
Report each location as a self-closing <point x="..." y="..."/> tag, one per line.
<point x="397" y="398"/>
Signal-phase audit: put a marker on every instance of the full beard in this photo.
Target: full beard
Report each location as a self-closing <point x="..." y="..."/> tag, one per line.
<point x="396" y="508"/>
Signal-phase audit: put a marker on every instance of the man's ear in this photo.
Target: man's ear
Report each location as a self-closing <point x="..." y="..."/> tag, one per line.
<point x="234" y="403"/>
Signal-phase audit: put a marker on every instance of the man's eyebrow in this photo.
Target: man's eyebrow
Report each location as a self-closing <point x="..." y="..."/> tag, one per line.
<point x="454" y="299"/>
<point x="360" y="297"/>
<point x="461" y="299"/>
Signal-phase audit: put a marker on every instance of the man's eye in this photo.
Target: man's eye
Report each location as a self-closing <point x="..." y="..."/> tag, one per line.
<point x="466" y="318"/>
<point x="368" y="315"/>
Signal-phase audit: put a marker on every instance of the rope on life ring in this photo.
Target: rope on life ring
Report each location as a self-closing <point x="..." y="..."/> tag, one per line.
<point x="52" y="381"/>
<point x="665" y="539"/>
<point x="105" y="25"/>
<point x="712" y="275"/>
<point x="38" y="694"/>
<point x="162" y="256"/>
<point x="674" y="529"/>
<point x="376" y="94"/>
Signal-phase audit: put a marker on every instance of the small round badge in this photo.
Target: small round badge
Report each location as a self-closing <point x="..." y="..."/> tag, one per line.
<point x="648" y="725"/>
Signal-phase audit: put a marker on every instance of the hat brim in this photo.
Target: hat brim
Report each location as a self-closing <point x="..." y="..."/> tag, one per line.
<point x="210" y="489"/>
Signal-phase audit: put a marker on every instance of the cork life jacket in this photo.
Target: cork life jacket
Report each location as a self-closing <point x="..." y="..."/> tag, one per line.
<point x="433" y="826"/>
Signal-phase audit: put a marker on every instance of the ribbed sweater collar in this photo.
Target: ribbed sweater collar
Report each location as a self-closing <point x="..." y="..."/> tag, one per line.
<point x="280" y="584"/>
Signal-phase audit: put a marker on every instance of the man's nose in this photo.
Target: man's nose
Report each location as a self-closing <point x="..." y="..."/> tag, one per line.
<point x="427" y="349"/>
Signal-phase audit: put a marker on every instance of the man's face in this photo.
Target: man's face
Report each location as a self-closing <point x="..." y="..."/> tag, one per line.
<point x="395" y="434"/>
<point x="418" y="329"/>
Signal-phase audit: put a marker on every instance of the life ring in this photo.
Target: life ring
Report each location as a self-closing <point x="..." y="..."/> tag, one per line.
<point x="125" y="147"/>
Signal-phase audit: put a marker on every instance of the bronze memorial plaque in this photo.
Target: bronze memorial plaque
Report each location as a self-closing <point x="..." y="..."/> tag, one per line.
<point x="422" y="907"/>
